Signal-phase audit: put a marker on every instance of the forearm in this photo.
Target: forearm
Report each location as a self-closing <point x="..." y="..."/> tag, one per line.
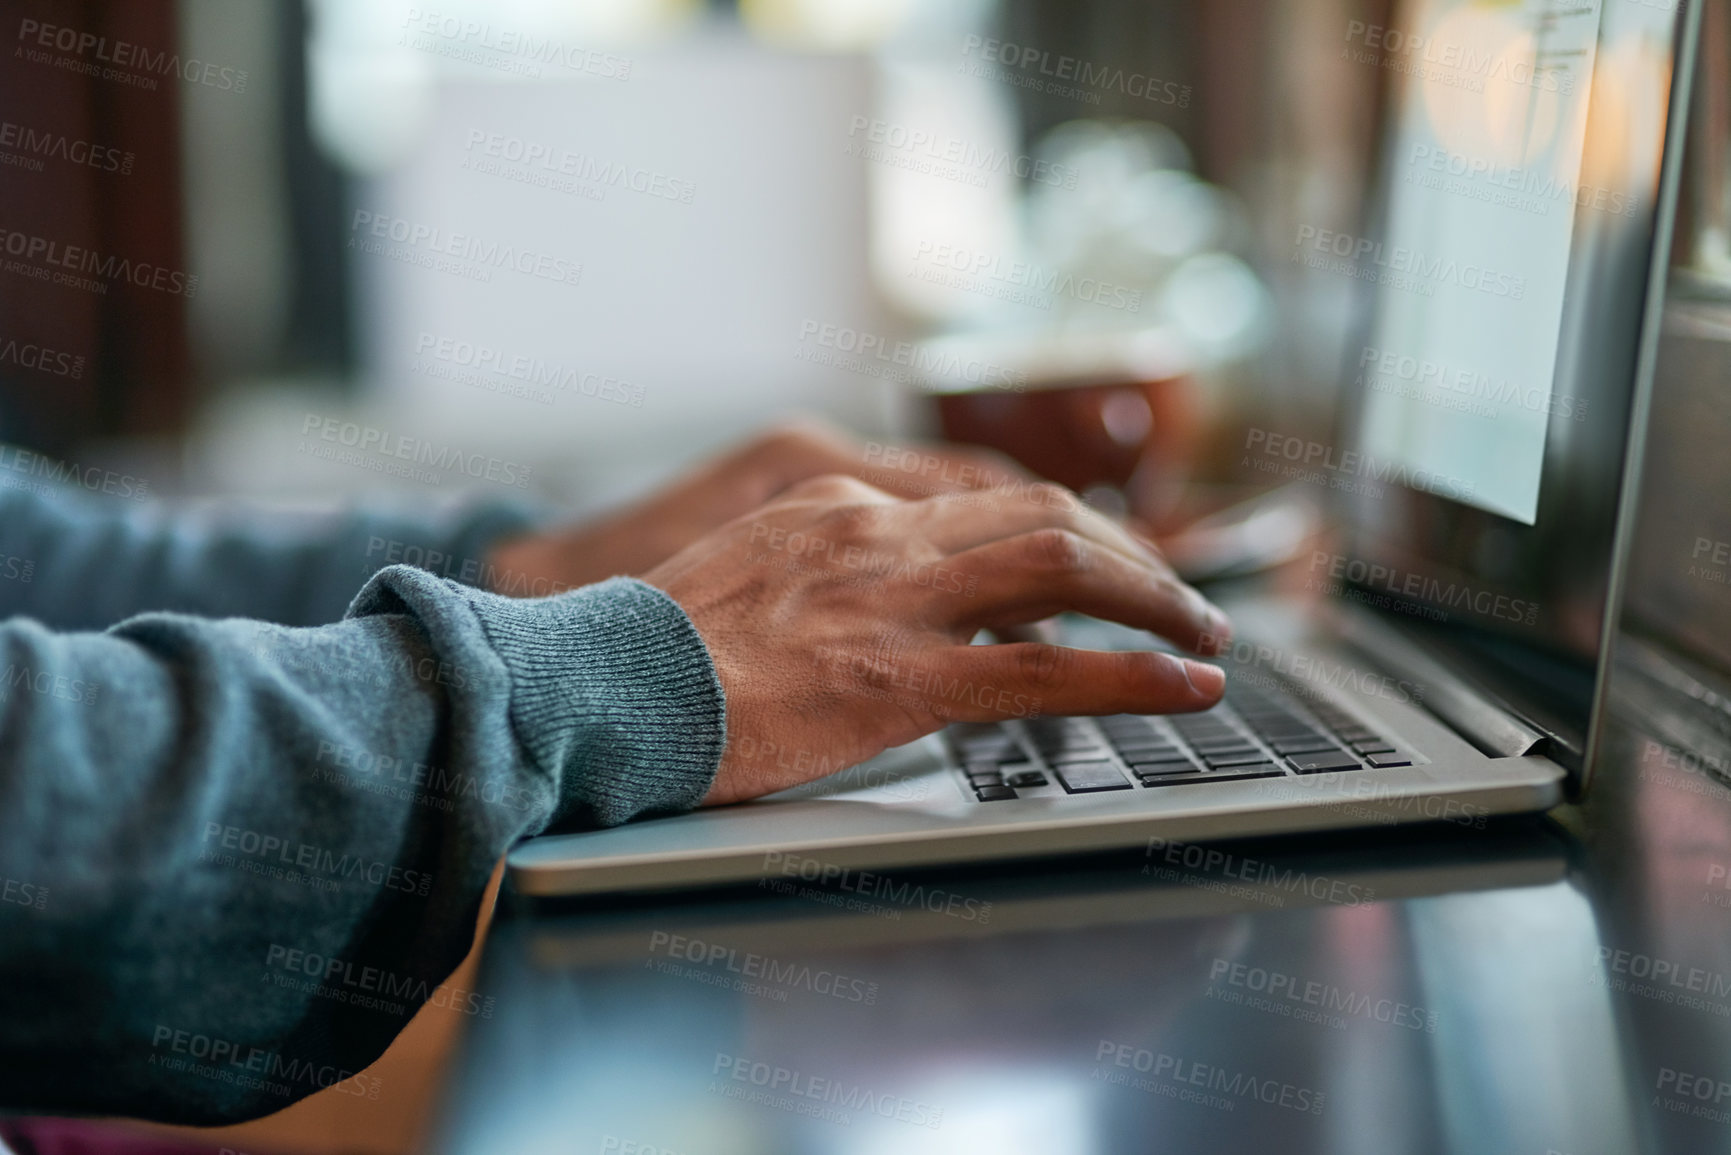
<point x="190" y="801"/>
<point x="77" y="563"/>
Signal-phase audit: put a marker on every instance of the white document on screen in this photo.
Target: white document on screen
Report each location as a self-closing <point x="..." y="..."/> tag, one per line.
<point x="1470" y="274"/>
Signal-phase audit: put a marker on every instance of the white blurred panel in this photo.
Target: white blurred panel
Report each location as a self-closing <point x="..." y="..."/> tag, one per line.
<point x="696" y="308"/>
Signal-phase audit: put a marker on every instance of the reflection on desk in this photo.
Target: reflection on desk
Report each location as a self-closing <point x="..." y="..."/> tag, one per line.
<point x="1558" y="985"/>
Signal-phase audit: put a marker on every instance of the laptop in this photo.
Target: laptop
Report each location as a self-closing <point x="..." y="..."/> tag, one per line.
<point x="1450" y="656"/>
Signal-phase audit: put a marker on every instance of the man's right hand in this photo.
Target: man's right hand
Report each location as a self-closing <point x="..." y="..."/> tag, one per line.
<point x="840" y="618"/>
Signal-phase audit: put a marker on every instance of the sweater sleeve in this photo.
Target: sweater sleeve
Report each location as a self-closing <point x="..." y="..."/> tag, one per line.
<point x="215" y="835"/>
<point x="78" y="562"/>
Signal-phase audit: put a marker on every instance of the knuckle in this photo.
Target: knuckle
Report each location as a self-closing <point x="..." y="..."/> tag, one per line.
<point x="869" y="671"/>
<point x="999" y="460"/>
<point x="1170" y="589"/>
<point x="1055" y="496"/>
<point x="1058" y="551"/>
<point x="778" y="450"/>
<point x="852" y="520"/>
<point x="1042" y="665"/>
<point x="1184" y="600"/>
<point x="1148" y="672"/>
<point x="831" y="487"/>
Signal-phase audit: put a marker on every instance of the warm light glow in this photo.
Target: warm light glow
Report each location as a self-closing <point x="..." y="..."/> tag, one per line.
<point x="826" y="25"/>
<point x="1626" y="144"/>
<point x="1482" y="96"/>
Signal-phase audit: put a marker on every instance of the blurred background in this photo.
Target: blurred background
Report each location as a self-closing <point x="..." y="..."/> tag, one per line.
<point x="727" y="212"/>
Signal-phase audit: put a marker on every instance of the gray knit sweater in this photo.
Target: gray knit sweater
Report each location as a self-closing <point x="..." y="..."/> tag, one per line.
<point x="244" y="834"/>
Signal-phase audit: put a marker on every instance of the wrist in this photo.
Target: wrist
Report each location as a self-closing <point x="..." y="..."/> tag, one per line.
<point x="614" y="694"/>
<point x="522" y="563"/>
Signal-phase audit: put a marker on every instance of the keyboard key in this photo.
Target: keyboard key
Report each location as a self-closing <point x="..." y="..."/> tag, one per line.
<point x="1054" y="729"/>
<point x="1300" y="745"/>
<point x="1232" y="757"/>
<point x="1221" y="745"/>
<point x="1151" y="752"/>
<point x="1155" y="758"/>
<point x="1148" y="739"/>
<point x="1087" y="754"/>
<point x="1373" y="746"/>
<point x="979" y="780"/>
<point x="1026" y="779"/>
<point x="1293" y="743"/>
<point x="1238" y="774"/>
<point x="1198" y="741"/>
<point x="1194" y="723"/>
<point x="1159" y="758"/>
<point x="1283" y="726"/>
<point x="1222" y="757"/>
<point x="980" y="749"/>
<point x="1292" y="726"/>
<point x="1225" y="742"/>
<point x="1126" y="727"/>
<point x="1057" y="740"/>
<point x="1070" y="751"/>
<point x="1304" y="745"/>
<point x="1052" y="750"/>
<point x="1158" y="768"/>
<point x="995" y="794"/>
<point x="1388" y="760"/>
<point x="1090" y="777"/>
<point x="1245" y="758"/>
<point x="1323" y="761"/>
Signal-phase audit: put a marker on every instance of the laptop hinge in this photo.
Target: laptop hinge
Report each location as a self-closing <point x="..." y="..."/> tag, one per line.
<point x="1486" y="725"/>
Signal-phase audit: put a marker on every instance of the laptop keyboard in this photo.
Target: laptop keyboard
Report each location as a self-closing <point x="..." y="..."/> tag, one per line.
<point x="1254" y="733"/>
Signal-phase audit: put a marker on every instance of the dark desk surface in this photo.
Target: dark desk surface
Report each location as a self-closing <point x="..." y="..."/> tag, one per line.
<point x="1551" y="985"/>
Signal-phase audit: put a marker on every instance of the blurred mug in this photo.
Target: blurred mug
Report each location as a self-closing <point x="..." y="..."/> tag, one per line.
<point x="1136" y="442"/>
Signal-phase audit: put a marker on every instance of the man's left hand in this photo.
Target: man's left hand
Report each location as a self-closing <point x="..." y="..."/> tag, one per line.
<point x="637" y="538"/>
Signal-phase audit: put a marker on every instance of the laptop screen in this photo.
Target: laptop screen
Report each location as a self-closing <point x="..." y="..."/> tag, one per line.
<point x="1507" y="282"/>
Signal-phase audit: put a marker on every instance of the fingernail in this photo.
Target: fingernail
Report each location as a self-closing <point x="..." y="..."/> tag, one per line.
<point x="1208" y="681"/>
<point x="1219" y="625"/>
<point x="1216" y="632"/>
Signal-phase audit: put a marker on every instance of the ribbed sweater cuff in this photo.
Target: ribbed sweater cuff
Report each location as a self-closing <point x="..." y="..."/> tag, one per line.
<point x="612" y="692"/>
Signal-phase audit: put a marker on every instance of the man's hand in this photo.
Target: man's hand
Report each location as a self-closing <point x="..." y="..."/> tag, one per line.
<point x="840" y="619"/>
<point x="632" y="540"/>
